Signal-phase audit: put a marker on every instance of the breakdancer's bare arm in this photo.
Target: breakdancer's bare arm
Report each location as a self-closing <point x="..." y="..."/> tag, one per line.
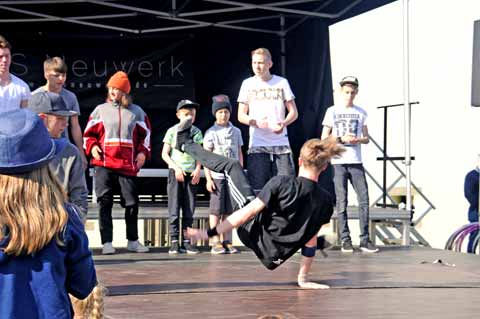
<point x="236" y="219"/>
<point x="308" y="254"/>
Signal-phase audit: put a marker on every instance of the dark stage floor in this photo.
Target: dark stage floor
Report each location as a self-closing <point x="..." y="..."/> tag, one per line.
<point x="396" y="283"/>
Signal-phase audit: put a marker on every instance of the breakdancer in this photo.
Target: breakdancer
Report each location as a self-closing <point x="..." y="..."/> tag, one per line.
<point x="285" y="216"/>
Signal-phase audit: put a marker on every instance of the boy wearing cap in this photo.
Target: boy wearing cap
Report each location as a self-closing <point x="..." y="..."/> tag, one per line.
<point x="183" y="177"/>
<point x="14" y="92"/>
<point x="117" y="137"/>
<point x="348" y="123"/>
<point x="223" y="139"/>
<point x="67" y="166"/>
<point x="55" y="72"/>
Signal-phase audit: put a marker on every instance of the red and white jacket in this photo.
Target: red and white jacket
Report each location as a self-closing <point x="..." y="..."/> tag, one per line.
<point x="121" y="133"/>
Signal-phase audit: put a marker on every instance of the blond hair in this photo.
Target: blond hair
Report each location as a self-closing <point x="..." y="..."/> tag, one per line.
<point x="125" y="100"/>
<point x="55" y="64"/>
<point x="316" y="153"/>
<point x="31" y="210"/>
<point x="262" y="51"/>
<point x="91" y="307"/>
<point x="4" y="44"/>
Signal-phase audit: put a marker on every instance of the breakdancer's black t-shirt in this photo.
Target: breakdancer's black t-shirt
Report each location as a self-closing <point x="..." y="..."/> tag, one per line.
<point x="296" y="208"/>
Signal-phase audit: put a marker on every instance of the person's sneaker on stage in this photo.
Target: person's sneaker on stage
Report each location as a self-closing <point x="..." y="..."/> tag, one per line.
<point x="229" y="249"/>
<point x="136" y="246"/>
<point x="217" y="249"/>
<point x="347" y="247"/>
<point x="183" y="132"/>
<point x="108" y="249"/>
<point x="175" y="248"/>
<point x="189" y="249"/>
<point x="368" y="247"/>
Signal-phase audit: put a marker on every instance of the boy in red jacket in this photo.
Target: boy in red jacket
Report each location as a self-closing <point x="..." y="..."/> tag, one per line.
<point x="117" y="137"/>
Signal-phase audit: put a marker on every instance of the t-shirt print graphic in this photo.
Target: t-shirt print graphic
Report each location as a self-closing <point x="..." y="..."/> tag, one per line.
<point x="266" y="94"/>
<point x="347" y="127"/>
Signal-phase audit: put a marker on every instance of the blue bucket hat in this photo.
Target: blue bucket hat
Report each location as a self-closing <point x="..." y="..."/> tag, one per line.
<point x="25" y="143"/>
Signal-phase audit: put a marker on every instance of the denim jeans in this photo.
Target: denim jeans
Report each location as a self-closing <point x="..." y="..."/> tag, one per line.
<point x="356" y="174"/>
<point x="472" y="218"/>
<point x="263" y="166"/>
<point x="471" y="241"/>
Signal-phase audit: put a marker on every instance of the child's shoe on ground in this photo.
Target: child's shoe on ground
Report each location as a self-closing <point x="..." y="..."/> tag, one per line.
<point x="135" y="246"/>
<point x="229" y="249"/>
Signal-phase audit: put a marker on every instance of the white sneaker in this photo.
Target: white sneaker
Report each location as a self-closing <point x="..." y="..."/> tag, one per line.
<point x="134" y="245"/>
<point x="108" y="249"/>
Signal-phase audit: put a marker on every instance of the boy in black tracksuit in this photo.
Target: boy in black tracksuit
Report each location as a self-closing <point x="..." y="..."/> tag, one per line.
<point x="286" y="215"/>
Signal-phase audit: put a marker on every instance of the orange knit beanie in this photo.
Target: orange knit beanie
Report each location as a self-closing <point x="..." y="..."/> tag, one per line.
<point x="120" y="81"/>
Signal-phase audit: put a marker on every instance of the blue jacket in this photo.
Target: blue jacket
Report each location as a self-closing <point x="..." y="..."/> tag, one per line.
<point x="470" y="189"/>
<point x="37" y="286"/>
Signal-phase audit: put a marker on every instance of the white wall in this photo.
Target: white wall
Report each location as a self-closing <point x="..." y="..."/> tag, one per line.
<point x="444" y="125"/>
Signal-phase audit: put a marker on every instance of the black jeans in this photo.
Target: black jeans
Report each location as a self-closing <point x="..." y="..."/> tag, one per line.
<point x="180" y="196"/>
<point x="241" y="193"/>
<point x="105" y="182"/>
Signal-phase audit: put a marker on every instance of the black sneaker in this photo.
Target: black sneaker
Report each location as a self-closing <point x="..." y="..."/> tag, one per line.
<point x="183" y="132"/>
<point x="189" y="248"/>
<point x="347" y="247"/>
<point x="368" y="247"/>
<point x="175" y="248"/>
<point x="229" y="249"/>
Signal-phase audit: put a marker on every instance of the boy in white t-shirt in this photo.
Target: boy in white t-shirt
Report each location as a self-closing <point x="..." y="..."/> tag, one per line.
<point x="14" y="92"/>
<point x="223" y="139"/>
<point x="348" y="123"/>
<point x="267" y="105"/>
<point x="55" y="72"/>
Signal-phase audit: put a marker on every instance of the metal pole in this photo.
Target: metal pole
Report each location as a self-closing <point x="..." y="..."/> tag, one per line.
<point x="407" y="117"/>
<point x="385" y="127"/>
<point x="283" y="57"/>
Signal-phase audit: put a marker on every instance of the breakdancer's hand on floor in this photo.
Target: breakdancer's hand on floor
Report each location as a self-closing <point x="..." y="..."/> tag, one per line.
<point x="305" y="284"/>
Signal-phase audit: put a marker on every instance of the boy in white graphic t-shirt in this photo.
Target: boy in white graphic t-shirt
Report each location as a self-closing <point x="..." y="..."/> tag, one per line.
<point x="348" y="123"/>
<point x="267" y="105"/>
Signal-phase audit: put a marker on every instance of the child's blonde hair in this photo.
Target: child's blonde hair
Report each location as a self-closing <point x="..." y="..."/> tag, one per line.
<point x="125" y="100"/>
<point x="32" y="210"/>
<point x="316" y="153"/>
<point x="92" y="306"/>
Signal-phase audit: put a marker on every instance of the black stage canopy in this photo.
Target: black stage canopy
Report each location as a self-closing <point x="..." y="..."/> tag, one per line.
<point x="180" y="49"/>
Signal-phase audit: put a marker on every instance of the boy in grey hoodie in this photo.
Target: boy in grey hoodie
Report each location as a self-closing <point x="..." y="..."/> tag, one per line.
<point x="67" y="166"/>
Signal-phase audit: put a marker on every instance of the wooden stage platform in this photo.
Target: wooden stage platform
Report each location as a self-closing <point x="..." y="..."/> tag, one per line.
<point x="398" y="282"/>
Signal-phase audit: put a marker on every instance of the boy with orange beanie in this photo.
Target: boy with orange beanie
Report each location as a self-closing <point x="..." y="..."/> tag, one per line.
<point x="117" y="137"/>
